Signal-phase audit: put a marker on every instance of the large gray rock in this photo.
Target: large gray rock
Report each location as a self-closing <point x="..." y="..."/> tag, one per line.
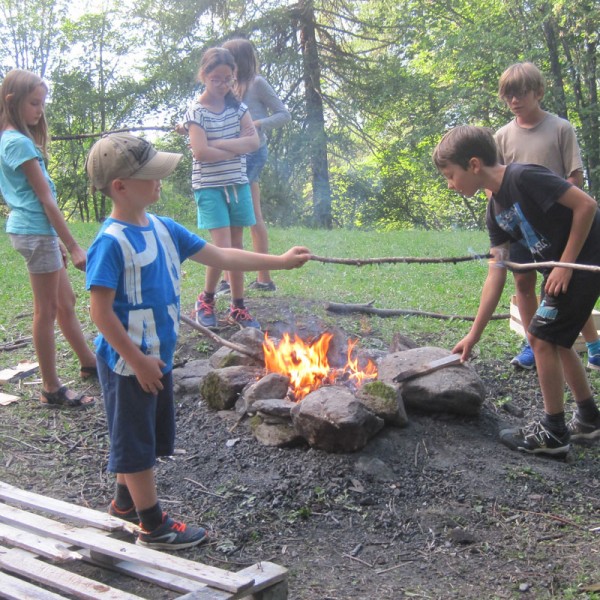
<point x="331" y="419"/>
<point x="272" y="385"/>
<point x="453" y="390"/>
<point x="186" y="379"/>
<point x="226" y="357"/>
<point x="385" y="401"/>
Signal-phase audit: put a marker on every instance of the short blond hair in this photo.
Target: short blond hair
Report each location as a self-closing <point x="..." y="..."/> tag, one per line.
<point x="519" y="79"/>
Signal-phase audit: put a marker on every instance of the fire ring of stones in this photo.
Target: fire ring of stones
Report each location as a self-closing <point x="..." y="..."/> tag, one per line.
<point x="333" y="417"/>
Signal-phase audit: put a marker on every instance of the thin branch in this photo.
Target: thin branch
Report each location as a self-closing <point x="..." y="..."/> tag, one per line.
<point x="213" y="336"/>
<point x="82" y="136"/>
<point x="398" y="312"/>
<point x="359" y="262"/>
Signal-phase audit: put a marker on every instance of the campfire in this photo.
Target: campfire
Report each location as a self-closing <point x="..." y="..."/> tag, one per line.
<point x="307" y="364"/>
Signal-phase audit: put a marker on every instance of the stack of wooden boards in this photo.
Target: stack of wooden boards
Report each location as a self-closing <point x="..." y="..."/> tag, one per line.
<point x="39" y="535"/>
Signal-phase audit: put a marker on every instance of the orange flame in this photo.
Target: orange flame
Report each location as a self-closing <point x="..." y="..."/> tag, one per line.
<point x="307" y="366"/>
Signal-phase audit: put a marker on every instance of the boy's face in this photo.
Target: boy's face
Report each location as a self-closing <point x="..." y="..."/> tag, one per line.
<point x="143" y="192"/>
<point x="522" y="105"/>
<point x="463" y="181"/>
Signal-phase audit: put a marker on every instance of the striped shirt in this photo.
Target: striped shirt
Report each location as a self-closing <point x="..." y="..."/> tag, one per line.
<point x="217" y="126"/>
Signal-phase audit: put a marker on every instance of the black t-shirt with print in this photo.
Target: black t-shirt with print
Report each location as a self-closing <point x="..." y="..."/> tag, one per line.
<point x="525" y="209"/>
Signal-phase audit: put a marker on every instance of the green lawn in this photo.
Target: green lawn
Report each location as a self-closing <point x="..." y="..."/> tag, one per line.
<point x="443" y="288"/>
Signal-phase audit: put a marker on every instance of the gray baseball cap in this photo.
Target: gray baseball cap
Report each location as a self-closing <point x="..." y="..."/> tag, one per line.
<point x="126" y="156"/>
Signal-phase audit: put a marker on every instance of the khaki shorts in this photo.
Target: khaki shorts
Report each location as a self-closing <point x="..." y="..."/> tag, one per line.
<point x="41" y="252"/>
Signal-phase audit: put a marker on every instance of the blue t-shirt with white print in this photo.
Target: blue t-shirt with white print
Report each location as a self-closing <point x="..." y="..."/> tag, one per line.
<point x="143" y="266"/>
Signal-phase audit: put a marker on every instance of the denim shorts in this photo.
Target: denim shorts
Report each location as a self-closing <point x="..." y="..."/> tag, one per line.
<point x="229" y="206"/>
<point x="141" y="426"/>
<point x="255" y="163"/>
<point x="41" y="252"/>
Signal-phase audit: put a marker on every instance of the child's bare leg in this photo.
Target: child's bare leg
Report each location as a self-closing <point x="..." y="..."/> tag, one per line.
<point x="142" y="487"/>
<point x="220" y="237"/>
<point x="527" y="301"/>
<point x="260" y="236"/>
<point x="236" y="278"/>
<point x="45" y="303"/>
<point x="69" y="324"/>
<point x="589" y="331"/>
<point x="550" y="374"/>
<point x="575" y="375"/>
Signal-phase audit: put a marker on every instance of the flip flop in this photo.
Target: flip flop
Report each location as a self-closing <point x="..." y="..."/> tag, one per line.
<point x="63" y="399"/>
<point x="88" y="372"/>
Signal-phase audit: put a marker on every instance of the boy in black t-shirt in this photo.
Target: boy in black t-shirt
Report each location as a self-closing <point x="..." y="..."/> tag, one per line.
<point x="557" y="222"/>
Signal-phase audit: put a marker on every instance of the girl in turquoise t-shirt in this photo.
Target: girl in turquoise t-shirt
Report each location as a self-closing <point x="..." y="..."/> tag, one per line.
<point x="35" y="224"/>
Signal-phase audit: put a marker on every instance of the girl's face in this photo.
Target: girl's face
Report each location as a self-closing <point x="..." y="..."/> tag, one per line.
<point x="219" y="81"/>
<point x="33" y="106"/>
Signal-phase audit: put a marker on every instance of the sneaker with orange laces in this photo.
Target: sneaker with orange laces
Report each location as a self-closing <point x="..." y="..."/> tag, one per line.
<point x="241" y="317"/>
<point x="172" y="535"/>
<point x="205" y="312"/>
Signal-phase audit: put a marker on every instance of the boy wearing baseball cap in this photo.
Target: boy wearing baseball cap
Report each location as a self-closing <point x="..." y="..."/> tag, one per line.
<point x="134" y="275"/>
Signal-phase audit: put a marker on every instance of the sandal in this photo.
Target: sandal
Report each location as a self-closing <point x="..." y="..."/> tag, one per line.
<point x="88" y="372"/>
<point x="63" y="399"/>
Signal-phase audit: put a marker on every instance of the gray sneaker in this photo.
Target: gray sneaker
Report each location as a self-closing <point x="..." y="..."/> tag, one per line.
<point x="580" y="430"/>
<point x="269" y="286"/>
<point x="223" y="289"/>
<point x="172" y="535"/>
<point x="535" y="438"/>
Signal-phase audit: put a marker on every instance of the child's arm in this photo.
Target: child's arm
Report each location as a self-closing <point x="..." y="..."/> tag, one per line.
<point x="490" y="296"/>
<point x="584" y="208"/>
<point x="233" y="259"/>
<point x="246" y="143"/>
<point x="38" y="183"/>
<point x="147" y="369"/>
<point x="201" y="149"/>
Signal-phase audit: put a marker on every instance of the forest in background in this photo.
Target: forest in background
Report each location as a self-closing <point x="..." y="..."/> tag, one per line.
<point x="371" y="86"/>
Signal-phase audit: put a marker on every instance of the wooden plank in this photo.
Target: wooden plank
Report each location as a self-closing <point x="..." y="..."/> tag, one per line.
<point x="27" y="565"/>
<point x="71" y="512"/>
<point x="212" y="576"/>
<point x="17" y="589"/>
<point x="430" y="367"/>
<point x="6" y="399"/>
<point x="38" y="545"/>
<point x="22" y="370"/>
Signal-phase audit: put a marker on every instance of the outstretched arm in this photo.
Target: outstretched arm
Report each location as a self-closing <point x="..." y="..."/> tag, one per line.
<point x="35" y="177"/>
<point x="233" y="259"/>
<point x="490" y="296"/>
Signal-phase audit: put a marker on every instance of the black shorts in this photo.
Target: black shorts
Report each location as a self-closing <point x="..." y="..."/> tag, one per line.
<point x="519" y="253"/>
<point x="559" y="319"/>
<point x="141" y="426"/>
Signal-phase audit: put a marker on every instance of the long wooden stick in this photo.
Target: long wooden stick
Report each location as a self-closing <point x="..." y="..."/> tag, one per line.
<point x="551" y="264"/>
<point x="397" y="312"/>
<point x="213" y="336"/>
<point x="359" y="262"/>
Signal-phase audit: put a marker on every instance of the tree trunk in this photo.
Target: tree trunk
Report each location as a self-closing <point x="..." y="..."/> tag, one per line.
<point x="315" y="119"/>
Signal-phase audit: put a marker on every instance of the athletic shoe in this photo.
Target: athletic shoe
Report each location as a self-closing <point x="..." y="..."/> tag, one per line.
<point x="223" y="289"/>
<point x="130" y="515"/>
<point x="172" y="535"/>
<point x="205" y="312"/>
<point x="525" y="359"/>
<point x="535" y="438"/>
<point x="594" y="361"/>
<point x="580" y="430"/>
<point x="263" y="287"/>
<point x="241" y="317"/>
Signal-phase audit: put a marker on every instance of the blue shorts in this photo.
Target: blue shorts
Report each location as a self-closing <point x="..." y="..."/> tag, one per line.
<point x="141" y="426"/>
<point x="229" y="206"/>
<point x="559" y="319"/>
<point x="41" y="252"/>
<point x="255" y="163"/>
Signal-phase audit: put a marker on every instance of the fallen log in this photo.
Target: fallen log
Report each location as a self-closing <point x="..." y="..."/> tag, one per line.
<point x="221" y="341"/>
<point x="368" y="309"/>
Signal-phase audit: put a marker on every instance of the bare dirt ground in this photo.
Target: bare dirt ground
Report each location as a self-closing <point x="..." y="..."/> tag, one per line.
<point x="438" y="509"/>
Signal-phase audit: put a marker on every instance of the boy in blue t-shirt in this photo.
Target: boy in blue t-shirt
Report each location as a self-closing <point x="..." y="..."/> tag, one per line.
<point x="560" y="223"/>
<point x="134" y="276"/>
